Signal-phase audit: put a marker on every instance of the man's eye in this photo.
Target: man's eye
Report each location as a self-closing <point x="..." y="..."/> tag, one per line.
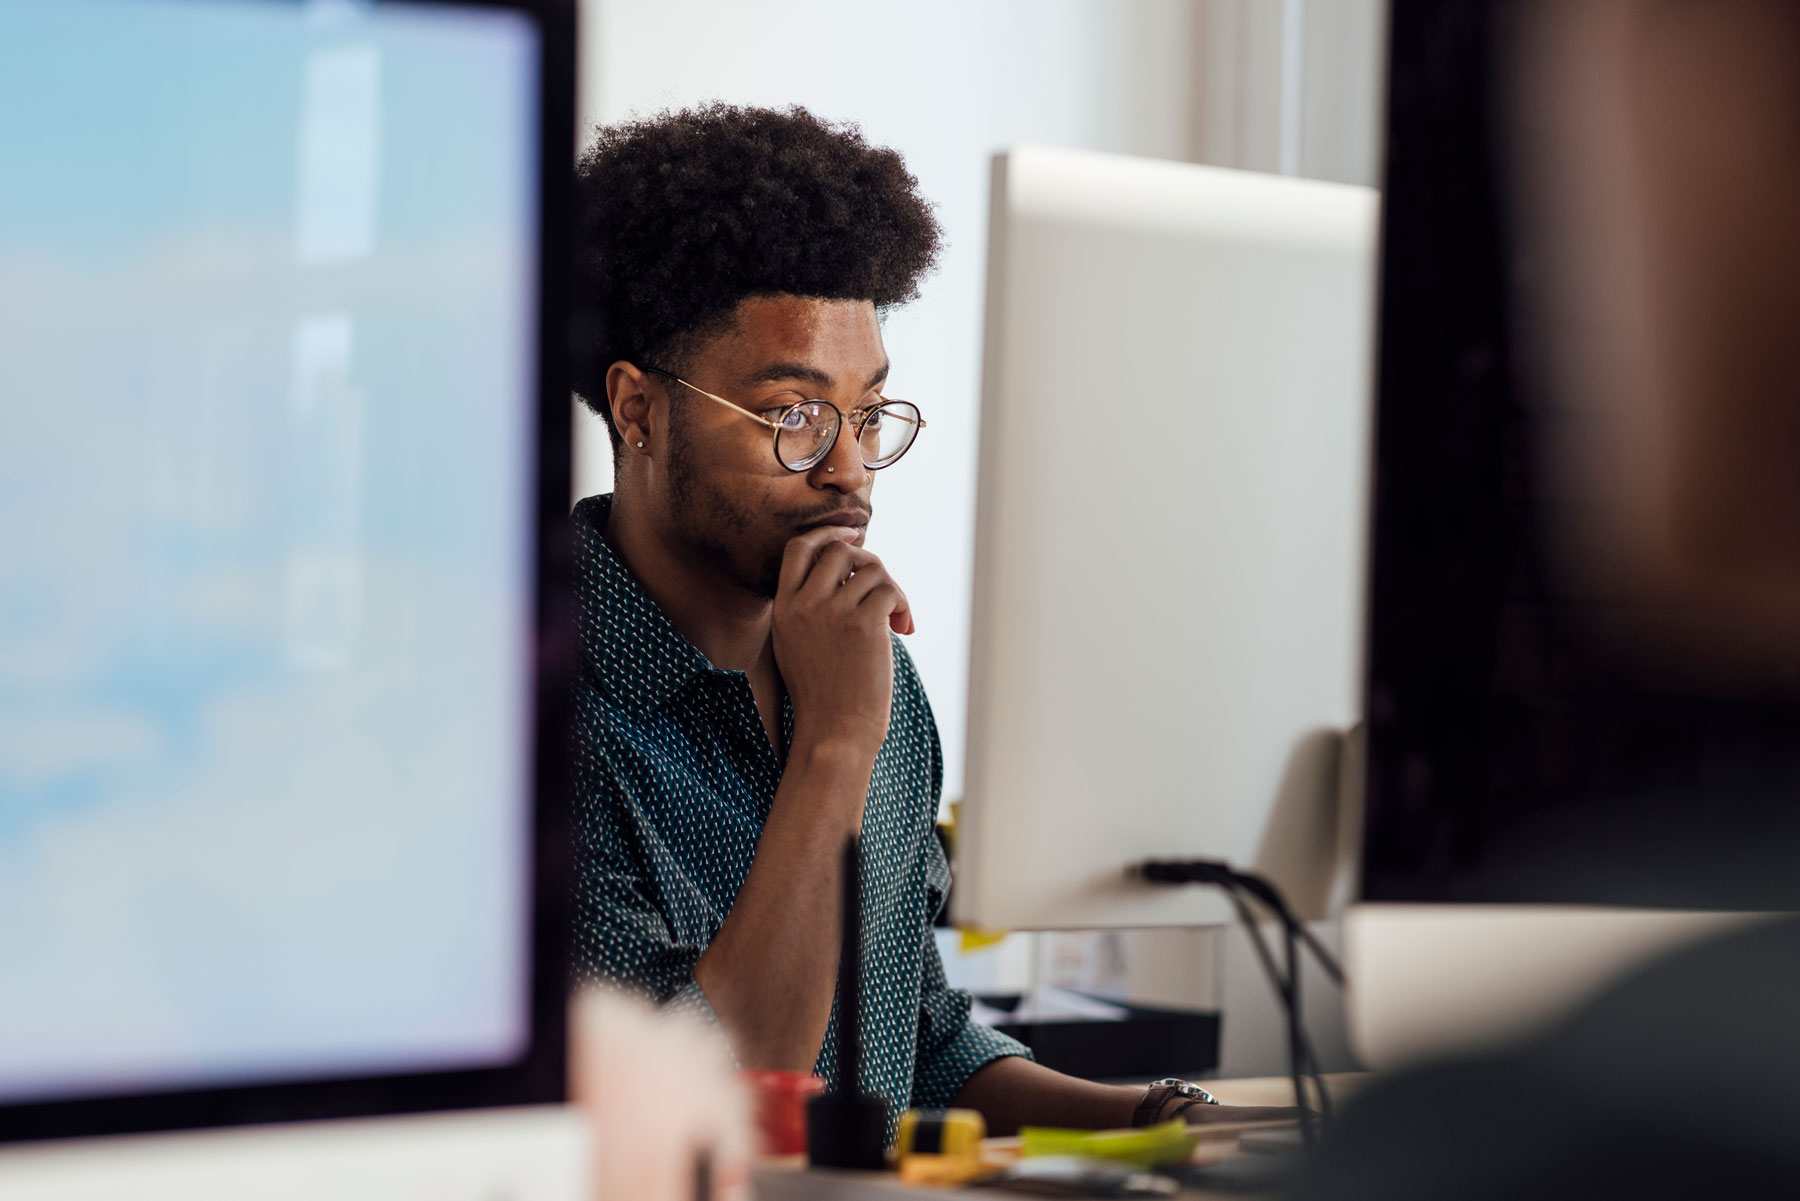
<point x="795" y="419"/>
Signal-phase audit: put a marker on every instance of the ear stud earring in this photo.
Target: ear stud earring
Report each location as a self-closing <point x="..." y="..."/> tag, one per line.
<point x="640" y="446"/>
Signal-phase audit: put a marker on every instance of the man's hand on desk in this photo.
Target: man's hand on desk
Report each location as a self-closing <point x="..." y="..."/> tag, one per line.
<point x="1014" y="1092"/>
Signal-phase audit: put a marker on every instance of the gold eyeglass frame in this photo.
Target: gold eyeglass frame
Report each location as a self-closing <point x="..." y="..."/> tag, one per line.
<point x="856" y="416"/>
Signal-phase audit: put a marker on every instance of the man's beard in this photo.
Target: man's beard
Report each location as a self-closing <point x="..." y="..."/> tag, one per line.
<point x="717" y="528"/>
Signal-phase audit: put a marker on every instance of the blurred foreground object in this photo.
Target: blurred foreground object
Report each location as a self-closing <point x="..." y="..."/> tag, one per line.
<point x="285" y="628"/>
<point x="1554" y="720"/>
<point x="780" y="1102"/>
<point x="1658" y="174"/>
<point x="1677" y="1082"/>
<point x="1622" y="726"/>
<point x="663" y="1099"/>
<point x="939" y="1146"/>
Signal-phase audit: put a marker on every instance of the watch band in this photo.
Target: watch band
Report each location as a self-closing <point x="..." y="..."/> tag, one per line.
<point x="1149" y="1110"/>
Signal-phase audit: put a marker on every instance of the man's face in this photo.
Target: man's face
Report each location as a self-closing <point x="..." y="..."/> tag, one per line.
<point x="729" y="500"/>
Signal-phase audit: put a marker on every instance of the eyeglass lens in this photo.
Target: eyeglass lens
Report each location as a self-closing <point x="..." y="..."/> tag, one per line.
<point x="808" y="431"/>
<point x="806" y="435"/>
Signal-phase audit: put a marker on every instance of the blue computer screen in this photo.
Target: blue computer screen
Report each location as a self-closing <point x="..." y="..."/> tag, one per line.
<point x="267" y="435"/>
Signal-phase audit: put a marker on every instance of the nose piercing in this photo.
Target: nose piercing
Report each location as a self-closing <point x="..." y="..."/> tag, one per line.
<point x="831" y="471"/>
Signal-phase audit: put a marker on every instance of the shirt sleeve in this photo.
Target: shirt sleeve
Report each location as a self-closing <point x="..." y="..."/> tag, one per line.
<point x="952" y="1045"/>
<point x="622" y="938"/>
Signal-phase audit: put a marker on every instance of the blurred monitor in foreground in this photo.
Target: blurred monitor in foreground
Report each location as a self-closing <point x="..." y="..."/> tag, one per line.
<point x="1169" y="559"/>
<point x="281" y="462"/>
<point x="1585" y="660"/>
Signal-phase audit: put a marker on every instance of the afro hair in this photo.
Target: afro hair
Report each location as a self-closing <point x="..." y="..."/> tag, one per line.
<point x="683" y="215"/>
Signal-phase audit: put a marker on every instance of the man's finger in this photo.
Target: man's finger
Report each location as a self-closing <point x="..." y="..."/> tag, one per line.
<point x="866" y="581"/>
<point x="798" y="556"/>
<point x="868" y="577"/>
<point x="836" y="563"/>
<point x="887" y="594"/>
<point x="832" y="568"/>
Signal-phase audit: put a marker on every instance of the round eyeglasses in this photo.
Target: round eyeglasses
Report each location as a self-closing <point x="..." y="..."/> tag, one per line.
<point x="807" y="431"/>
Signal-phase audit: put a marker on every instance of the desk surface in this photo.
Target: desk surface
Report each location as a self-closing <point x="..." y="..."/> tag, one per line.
<point x="784" y="1182"/>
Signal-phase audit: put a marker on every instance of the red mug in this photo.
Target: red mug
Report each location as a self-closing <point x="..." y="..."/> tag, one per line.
<point x="780" y="1101"/>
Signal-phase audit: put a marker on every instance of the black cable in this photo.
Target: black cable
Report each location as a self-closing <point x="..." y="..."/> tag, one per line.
<point x="1297" y="1015"/>
<point x="1256" y="942"/>
<point x="1303" y="1060"/>
<point x="1211" y="871"/>
<point x="1297" y="1037"/>
<point x="1284" y="991"/>
<point x="1294" y="930"/>
<point x="1266" y="892"/>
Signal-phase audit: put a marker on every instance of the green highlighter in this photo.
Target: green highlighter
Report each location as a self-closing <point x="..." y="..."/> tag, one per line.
<point x="1168" y="1142"/>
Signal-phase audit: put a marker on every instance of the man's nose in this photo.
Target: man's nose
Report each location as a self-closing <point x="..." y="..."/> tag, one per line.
<point x="843" y="468"/>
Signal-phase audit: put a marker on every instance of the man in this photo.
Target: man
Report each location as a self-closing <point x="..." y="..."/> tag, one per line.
<point x="744" y="706"/>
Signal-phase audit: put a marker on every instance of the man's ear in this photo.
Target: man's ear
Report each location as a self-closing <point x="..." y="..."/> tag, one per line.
<point x="629" y="398"/>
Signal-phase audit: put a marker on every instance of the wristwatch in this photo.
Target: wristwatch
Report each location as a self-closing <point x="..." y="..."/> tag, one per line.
<point x="1150" y="1109"/>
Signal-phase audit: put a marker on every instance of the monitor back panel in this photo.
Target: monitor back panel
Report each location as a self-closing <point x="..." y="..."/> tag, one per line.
<point x="1170" y="535"/>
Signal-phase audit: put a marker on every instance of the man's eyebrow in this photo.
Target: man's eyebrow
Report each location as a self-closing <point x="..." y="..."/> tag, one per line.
<point x="791" y="370"/>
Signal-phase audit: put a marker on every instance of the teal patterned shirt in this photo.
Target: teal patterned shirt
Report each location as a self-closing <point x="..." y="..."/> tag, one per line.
<point x="674" y="776"/>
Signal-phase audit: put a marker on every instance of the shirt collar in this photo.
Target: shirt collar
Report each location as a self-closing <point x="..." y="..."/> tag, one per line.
<point x="637" y="655"/>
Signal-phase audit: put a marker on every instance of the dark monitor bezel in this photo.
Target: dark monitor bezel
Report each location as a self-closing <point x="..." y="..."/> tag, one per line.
<point x="539" y="1076"/>
<point x="1442" y="356"/>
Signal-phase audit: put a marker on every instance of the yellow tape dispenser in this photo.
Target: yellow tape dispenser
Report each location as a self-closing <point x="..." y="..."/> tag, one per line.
<point x="939" y="1146"/>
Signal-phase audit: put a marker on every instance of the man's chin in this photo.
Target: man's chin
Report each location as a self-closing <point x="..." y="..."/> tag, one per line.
<point x="767" y="584"/>
<point x="759" y="580"/>
<point x="763" y="579"/>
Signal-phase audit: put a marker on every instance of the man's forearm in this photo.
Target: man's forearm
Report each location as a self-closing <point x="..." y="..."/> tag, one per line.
<point x="771" y="969"/>
<point x="1014" y="1092"/>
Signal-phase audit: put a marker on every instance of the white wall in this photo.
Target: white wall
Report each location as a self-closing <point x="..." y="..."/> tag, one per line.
<point x="1291" y="86"/>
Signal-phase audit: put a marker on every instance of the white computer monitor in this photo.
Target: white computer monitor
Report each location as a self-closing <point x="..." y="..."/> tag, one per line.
<point x="283" y="478"/>
<point x="1169" y="558"/>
